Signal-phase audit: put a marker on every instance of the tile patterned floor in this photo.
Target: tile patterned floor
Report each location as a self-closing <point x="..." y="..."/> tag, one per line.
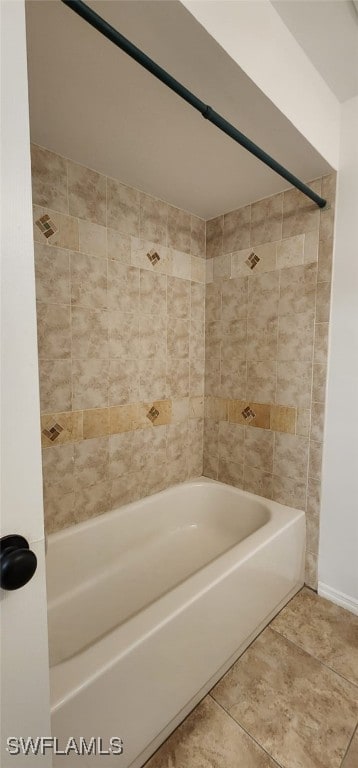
<point x="290" y="701"/>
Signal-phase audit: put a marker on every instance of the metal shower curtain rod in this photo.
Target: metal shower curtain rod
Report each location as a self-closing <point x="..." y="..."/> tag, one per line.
<point x="207" y="112"/>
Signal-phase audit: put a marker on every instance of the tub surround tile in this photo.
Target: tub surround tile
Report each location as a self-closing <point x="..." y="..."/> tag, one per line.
<point x="266" y="220"/>
<point x="214" y="237"/>
<point x="151" y="256"/>
<point x="289" y="491"/>
<point x="124" y="382"/>
<point x="259" y="449"/>
<point x="311" y="246"/>
<point x="327" y="223"/>
<point x="300" y="214"/>
<point x="197" y="239"/>
<point x="59" y="511"/>
<point x="231" y="473"/>
<point x="231" y="438"/>
<point x="290" y="251"/>
<point x="89" y="333"/>
<point x="180" y="264"/>
<point x="52" y="271"/>
<point x="283" y="419"/>
<point x="49" y="179"/>
<point x="211" y="466"/>
<point x="236" y="234"/>
<point x="325" y="258"/>
<point x="257" y="481"/>
<point x="53" y="331"/>
<point x="244" y="412"/>
<point x="323" y="302"/>
<point x="86" y="193"/>
<point x="61" y="428"/>
<point x="124" y="335"/>
<point x="91" y="462"/>
<point x="92" y="238"/>
<point x="92" y="501"/>
<point x="303" y="422"/>
<point x="321" y="344"/>
<point x="300" y="712"/>
<point x="153" y="219"/>
<point x="178" y="297"/>
<point x="179" y="229"/>
<point x="55" y="385"/>
<point x="322" y="629"/>
<point x="291" y="456"/>
<point x="122" y="208"/>
<point x="139" y="327"/>
<point x="57" y="469"/>
<point x="89" y="384"/>
<point x="95" y="423"/>
<point x="123" y="287"/>
<point x="118" y="246"/>
<point x="261" y="380"/>
<point x="88" y="281"/>
<point x="64" y="228"/>
<point x="294" y="381"/>
<point x="311" y="570"/>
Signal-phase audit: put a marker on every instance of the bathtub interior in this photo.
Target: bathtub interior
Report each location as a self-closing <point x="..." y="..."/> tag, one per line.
<point x="102" y="572"/>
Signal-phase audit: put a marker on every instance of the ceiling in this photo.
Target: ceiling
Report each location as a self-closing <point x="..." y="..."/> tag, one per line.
<point x="327" y="30"/>
<point x="92" y="103"/>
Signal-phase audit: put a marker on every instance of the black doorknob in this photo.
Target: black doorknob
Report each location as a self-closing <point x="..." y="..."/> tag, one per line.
<point x="17" y="562"/>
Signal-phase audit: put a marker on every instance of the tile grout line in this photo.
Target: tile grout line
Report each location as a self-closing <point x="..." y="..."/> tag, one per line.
<point x="349" y="746"/>
<point x="251" y="737"/>
<point x="296" y="645"/>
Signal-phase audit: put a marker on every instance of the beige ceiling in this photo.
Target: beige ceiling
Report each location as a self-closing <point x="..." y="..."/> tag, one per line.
<point x="93" y="104"/>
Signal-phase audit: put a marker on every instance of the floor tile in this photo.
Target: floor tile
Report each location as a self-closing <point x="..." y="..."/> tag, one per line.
<point x="300" y="711"/>
<point x="209" y="738"/>
<point x="351" y="759"/>
<point x="322" y="629"/>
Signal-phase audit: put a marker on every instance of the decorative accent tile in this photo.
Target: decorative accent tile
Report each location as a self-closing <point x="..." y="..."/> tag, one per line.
<point x="153" y="257"/>
<point x="252" y="260"/>
<point x="248" y="413"/>
<point x="257" y="415"/>
<point x="46" y="225"/>
<point x="71" y="431"/>
<point x="66" y="233"/>
<point x="95" y="423"/>
<point x="283" y="419"/>
<point x="53" y="433"/>
<point x="152" y="414"/>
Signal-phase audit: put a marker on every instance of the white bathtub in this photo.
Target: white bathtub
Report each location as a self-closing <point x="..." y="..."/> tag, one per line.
<point x="150" y="604"/>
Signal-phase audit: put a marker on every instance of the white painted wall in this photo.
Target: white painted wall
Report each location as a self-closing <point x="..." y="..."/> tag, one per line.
<point x="25" y="698"/>
<point x="338" y="553"/>
<point x="254" y="35"/>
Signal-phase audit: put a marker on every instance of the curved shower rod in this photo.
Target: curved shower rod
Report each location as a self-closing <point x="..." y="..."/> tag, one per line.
<point x="207" y="112"/>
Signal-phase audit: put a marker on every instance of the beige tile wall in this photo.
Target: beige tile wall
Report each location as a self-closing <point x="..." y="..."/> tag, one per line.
<point x="267" y="314"/>
<point x="121" y="340"/>
<point x="121" y="343"/>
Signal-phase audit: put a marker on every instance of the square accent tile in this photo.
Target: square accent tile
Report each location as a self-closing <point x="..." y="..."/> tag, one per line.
<point x="252" y="260"/>
<point x="46" y="225"/>
<point x="248" y="413"/>
<point x="152" y="414"/>
<point x="153" y="257"/>
<point x="53" y="433"/>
